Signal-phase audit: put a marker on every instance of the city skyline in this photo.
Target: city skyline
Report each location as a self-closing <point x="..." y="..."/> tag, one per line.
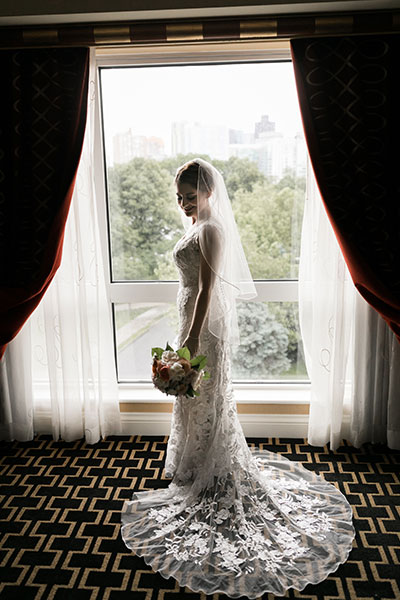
<point x="148" y="100"/>
<point x="271" y="150"/>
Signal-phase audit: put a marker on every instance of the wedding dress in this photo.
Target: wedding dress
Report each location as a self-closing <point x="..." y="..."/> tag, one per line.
<point x="232" y="520"/>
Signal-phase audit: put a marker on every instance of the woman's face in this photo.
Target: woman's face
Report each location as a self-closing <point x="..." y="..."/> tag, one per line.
<point x="189" y="199"/>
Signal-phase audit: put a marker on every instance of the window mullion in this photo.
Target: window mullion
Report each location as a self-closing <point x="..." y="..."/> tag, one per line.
<point x="164" y="291"/>
<point x="141" y="291"/>
<point x="100" y="189"/>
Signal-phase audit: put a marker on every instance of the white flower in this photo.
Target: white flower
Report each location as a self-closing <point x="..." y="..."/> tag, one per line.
<point x="221" y="515"/>
<point x="168" y="356"/>
<point x="177" y="371"/>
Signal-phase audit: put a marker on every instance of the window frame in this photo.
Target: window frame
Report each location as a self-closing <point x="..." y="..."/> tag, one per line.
<point x="273" y="391"/>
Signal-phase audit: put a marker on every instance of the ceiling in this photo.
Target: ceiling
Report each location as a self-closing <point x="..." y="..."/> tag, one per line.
<point x="26" y="12"/>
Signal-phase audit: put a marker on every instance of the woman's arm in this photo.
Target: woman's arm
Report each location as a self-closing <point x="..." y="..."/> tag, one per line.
<point x="210" y="251"/>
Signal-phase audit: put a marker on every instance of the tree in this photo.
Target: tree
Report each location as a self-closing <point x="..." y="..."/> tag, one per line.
<point x="263" y="343"/>
<point x="269" y="218"/>
<point x="286" y="313"/>
<point x="263" y="217"/>
<point x="172" y="163"/>
<point x="239" y="174"/>
<point x="145" y="222"/>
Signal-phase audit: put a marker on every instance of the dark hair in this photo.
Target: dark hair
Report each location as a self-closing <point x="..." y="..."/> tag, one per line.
<point x="189" y="173"/>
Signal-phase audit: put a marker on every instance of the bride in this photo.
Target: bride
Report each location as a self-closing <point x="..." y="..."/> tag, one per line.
<point x="232" y="520"/>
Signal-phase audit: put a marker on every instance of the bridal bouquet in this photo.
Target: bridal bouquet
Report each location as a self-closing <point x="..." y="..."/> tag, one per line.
<point x="176" y="373"/>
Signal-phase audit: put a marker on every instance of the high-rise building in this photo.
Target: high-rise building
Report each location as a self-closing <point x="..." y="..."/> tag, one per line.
<point x="155" y="147"/>
<point x="126" y="146"/>
<point x="273" y="152"/>
<point x="199" y="138"/>
<point x="237" y="136"/>
<point x="264" y="126"/>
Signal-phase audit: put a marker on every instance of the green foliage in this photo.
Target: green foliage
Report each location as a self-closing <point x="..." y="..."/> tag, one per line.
<point x="239" y="174"/>
<point x="268" y="218"/>
<point x="166" y="269"/>
<point x="157" y="352"/>
<point x="184" y="353"/>
<point x="263" y="343"/>
<point x="172" y="163"/>
<point x="286" y="314"/>
<point x="145" y="223"/>
<point x="199" y="362"/>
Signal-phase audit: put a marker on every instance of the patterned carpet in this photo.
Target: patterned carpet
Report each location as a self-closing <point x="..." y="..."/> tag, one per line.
<point x="60" y="510"/>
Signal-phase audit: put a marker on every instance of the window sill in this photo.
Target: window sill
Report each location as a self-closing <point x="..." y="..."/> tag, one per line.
<point x="269" y="410"/>
<point x="271" y="393"/>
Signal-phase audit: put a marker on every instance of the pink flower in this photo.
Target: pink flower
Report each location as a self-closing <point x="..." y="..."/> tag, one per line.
<point x="164" y="372"/>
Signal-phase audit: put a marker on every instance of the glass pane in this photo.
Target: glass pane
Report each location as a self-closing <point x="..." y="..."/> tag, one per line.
<point x="156" y="118"/>
<point x="140" y="327"/>
<point x="271" y="348"/>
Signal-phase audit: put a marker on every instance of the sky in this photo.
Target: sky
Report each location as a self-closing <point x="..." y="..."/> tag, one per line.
<point x="148" y="99"/>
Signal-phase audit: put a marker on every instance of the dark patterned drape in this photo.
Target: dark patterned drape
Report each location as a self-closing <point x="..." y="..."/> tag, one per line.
<point x="350" y="103"/>
<point x="43" y="106"/>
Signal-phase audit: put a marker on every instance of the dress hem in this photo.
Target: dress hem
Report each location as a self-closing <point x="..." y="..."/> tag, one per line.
<point x="260" y="593"/>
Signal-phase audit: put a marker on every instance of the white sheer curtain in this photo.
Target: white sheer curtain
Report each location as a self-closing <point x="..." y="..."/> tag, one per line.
<point x="376" y="394"/>
<point x="75" y="392"/>
<point x="352" y="358"/>
<point x="16" y="389"/>
<point x="326" y="300"/>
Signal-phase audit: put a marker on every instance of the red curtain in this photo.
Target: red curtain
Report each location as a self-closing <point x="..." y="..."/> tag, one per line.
<point x="350" y="103"/>
<point x="43" y="107"/>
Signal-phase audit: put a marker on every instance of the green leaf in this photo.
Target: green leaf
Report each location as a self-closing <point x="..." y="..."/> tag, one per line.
<point x="184" y="353"/>
<point x="199" y="362"/>
<point x="206" y="375"/>
<point x="168" y="347"/>
<point x="157" y="351"/>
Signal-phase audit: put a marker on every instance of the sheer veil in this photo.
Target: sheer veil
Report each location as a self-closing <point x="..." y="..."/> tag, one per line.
<point x="221" y="247"/>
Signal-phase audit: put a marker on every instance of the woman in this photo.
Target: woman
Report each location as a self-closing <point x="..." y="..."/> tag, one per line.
<point x="232" y="521"/>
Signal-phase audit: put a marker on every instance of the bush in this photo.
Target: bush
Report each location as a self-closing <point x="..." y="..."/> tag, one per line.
<point x="264" y="343"/>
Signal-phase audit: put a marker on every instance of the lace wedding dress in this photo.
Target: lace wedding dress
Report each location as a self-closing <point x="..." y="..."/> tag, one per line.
<point x="232" y="520"/>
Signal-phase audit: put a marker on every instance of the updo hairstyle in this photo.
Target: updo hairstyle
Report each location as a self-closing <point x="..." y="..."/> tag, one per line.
<point x="189" y="173"/>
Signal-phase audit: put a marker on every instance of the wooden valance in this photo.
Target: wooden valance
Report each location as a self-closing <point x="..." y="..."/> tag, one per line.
<point x="200" y="30"/>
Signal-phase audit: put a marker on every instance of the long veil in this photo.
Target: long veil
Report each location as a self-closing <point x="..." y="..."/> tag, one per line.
<point x="221" y="247"/>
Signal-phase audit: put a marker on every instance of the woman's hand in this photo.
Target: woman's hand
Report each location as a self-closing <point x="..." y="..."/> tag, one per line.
<point x="192" y="344"/>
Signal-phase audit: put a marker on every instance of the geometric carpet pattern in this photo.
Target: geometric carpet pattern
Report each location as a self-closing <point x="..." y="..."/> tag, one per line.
<point x="60" y="511"/>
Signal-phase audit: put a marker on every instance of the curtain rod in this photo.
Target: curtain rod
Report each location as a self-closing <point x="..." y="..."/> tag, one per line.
<point x="200" y="30"/>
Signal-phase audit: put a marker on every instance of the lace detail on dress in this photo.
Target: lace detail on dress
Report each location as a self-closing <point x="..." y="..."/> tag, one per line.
<point x="198" y="425"/>
<point x="249" y="515"/>
<point x="232" y="520"/>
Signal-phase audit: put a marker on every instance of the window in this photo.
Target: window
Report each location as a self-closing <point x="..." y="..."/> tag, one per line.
<point x="238" y="109"/>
